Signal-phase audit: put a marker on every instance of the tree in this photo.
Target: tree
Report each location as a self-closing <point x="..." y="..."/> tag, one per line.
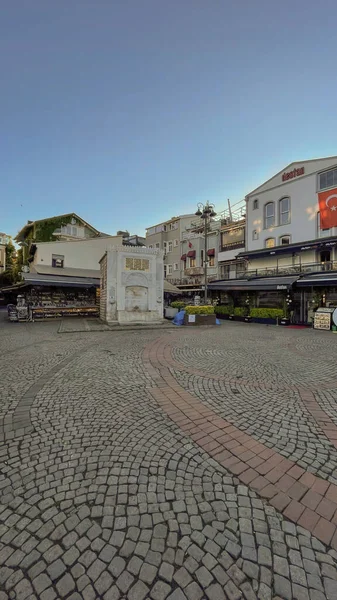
<point x="10" y="255"/>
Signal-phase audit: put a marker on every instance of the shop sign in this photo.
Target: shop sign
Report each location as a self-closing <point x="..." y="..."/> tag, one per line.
<point x="322" y="320"/>
<point x="281" y="287"/>
<point x="292" y="174"/>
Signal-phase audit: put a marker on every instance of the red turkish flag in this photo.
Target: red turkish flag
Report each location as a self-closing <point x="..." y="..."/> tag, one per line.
<point x="328" y="208"/>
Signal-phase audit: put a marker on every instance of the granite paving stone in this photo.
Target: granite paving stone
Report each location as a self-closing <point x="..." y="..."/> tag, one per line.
<point x="116" y="491"/>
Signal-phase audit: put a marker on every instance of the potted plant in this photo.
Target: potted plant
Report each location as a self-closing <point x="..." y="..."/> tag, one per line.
<point x="267" y="316"/>
<point x="247" y="317"/>
<point x="199" y="315"/>
<point x="223" y="312"/>
<point x="285" y="319"/>
<point x="173" y="309"/>
<point x="239" y="313"/>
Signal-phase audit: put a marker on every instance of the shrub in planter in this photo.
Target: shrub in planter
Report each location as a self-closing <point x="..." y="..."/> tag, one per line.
<point x="266" y="313"/>
<point x="239" y="311"/>
<point x="223" y="311"/>
<point x="177" y="304"/>
<point x="200" y="310"/>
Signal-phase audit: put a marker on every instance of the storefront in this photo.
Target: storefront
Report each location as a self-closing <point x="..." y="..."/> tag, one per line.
<point x="54" y="296"/>
<point x="263" y="291"/>
<point x="315" y="291"/>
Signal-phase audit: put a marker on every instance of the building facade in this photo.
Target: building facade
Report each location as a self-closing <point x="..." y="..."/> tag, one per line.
<point x="68" y="227"/>
<point x="4" y="240"/>
<point x="232" y="242"/>
<point x="291" y="240"/>
<point x="182" y="240"/>
<point x="167" y="237"/>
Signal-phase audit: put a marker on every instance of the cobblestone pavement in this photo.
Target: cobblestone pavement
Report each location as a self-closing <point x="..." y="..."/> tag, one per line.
<point x="104" y="495"/>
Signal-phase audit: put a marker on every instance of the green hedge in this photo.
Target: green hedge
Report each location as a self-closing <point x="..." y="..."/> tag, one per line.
<point x="177" y="304"/>
<point x="267" y="313"/>
<point x="239" y="311"/>
<point x="199" y="310"/>
<point x="223" y="310"/>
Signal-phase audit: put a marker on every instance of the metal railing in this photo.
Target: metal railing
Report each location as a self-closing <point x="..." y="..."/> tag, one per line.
<point x="292" y="269"/>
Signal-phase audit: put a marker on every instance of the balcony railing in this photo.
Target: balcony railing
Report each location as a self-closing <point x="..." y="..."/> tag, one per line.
<point x="293" y="269"/>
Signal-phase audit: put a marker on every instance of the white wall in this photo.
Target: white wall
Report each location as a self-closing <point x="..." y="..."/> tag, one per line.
<point x="302" y="191"/>
<point x="84" y="254"/>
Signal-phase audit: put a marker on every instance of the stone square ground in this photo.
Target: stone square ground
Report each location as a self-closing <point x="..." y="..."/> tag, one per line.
<point x="181" y="464"/>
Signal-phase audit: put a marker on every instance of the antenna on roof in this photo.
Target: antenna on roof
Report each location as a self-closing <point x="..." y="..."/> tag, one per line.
<point x="230" y="210"/>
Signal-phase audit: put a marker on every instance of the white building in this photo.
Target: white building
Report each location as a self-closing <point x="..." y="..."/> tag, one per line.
<point x="79" y="258"/>
<point x="291" y="246"/>
<point x="283" y="228"/>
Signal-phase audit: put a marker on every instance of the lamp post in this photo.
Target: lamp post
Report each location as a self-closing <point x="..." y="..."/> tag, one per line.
<point x="205" y="212"/>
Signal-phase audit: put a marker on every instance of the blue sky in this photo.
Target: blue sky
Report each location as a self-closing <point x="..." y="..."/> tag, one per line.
<point x="131" y="111"/>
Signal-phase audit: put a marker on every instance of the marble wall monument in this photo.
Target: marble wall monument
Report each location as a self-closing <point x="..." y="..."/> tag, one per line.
<point x="132" y="285"/>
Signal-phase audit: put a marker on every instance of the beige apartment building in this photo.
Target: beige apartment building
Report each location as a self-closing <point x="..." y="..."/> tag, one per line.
<point x="183" y="242"/>
<point x="167" y="236"/>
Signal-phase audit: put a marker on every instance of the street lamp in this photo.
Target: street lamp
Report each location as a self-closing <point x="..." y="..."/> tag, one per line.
<point x="205" y="212"/>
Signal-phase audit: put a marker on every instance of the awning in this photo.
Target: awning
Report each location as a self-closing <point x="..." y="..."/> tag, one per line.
<point x="257" y="284"/>
<point x="322" y="279"/>
<point x="191" y="254"/>
<point x="58" y="281"/>
<point x="211" y="252"/>
<point x="183" y="257"/>
<point x="169" y="288"/>
<point x="291" y="248"/>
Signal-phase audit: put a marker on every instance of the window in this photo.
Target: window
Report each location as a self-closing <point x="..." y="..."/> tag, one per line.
<point x="192" y="262"/>
<point x="170" y="245"/>
<point x="165" y="247"/>
<point x="57" y="260"/>
<point x="150" y="246"/>
<point x="255" y="204"/>
<point x="72" y="230"/>
<point x="165" y="270"/>
<point x="151" y="231"/>
<point x="173" y="225"/>
<point x="157" y="245"/>
<point x="164" y="227"/>
<point x="175" y="267"/>
<point x="269" y="215"/>
<point x="176" y="243"/>
<point x="284" y="211"/>
<point x="202" y="257"/>
<point x="169" y="269"/>
<point x="270" y="243"/>
<point x="211" y="261"/>
<point x="327" y="179"/>
<point x="284" y="240"/>
<point x="255" y="234"/>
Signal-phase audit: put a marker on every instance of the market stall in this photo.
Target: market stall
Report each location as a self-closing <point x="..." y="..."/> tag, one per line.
<point x="53" y="297"/>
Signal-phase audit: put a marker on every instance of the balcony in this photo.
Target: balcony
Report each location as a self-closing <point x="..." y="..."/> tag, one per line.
<point x="291" y="269"/>
<point x="193" y="271"/>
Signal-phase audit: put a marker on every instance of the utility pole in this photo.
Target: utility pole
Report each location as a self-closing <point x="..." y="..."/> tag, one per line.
<point x="206" y="212"/>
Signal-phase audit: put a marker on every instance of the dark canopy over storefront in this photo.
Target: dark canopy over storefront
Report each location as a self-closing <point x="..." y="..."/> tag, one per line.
<point x="318" y="280"/>
<point x="256" y="284"/>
